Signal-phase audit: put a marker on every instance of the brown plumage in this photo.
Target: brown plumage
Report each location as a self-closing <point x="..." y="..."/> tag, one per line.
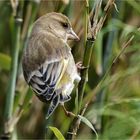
<point x="48" y="64"/>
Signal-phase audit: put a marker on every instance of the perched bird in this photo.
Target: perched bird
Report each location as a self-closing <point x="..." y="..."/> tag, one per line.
<point x="48" y="64"/>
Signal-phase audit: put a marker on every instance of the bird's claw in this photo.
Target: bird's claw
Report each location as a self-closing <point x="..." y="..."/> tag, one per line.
<point x="68" y="113"/>
<point x="80" y="66"/>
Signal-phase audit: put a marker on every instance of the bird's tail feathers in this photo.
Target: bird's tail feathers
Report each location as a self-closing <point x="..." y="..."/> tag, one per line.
<point x="54" y="103"/>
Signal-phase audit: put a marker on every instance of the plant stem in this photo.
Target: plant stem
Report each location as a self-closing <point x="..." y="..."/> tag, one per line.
<point x="86" y="60"/>
<point x="94" y="26"/>
<point x="84" y="73"/>
<point x="92" y="93"/>
<point x="14" y="66"/>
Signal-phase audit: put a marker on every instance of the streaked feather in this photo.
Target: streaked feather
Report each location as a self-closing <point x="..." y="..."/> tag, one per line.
<point x="44" y="82"/>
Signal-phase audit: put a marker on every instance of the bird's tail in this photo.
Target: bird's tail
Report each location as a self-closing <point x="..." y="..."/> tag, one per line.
<point x="54" y="103"/>
<point x="57" y="98"/>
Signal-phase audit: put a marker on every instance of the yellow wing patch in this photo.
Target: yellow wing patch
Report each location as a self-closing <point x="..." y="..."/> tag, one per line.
<point x="65" y="64"/>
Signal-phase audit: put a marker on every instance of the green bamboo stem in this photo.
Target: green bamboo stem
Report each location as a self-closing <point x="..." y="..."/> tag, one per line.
<point x="84" y="72"/>
<point x="96" y="26"/>
<point x="90" y="37"/>
<point x="14" y="66"/>
<point x="93" y="92"/>
<point x="24" y="100"/>
<point x="86" y="60"/>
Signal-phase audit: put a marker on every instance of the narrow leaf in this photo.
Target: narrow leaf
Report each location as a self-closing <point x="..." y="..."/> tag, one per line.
<point x="57" y="133"/>
<point x="88" y="123"/>
<point x="5" y="61"/>
<point x="76" y="102"/>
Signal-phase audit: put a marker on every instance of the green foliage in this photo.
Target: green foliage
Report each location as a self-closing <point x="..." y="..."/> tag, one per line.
<point x="88" y="123"/>
<point x="114" y="109"/>
<point x="57" y="133"/>
<point x="5" y="61"/>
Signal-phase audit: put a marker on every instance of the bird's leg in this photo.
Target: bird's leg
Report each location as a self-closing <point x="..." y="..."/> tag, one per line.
<point x="68" y="113"/>
<point x="80" y="66"/>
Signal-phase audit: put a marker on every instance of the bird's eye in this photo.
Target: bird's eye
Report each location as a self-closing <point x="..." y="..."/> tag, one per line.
<point x="65" y="25"/>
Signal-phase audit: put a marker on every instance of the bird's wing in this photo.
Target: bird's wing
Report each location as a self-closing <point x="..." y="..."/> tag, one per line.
<point x="46" y="76"/>
<point x="44" y="64"/>
<point x="45" y="79"/>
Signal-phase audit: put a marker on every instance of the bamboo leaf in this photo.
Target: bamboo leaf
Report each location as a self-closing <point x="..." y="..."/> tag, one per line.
<point x="76" y="102"/>
<point x="88" y="123"/>
<point x="57" y="133"/>
<point x="5" y="61"/>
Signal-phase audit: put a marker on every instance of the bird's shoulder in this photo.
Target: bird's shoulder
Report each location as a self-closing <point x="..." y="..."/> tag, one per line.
<point x="44" y="47"/>
<point x="51" y="47"/>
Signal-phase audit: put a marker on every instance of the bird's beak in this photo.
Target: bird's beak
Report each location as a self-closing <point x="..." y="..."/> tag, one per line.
<point x="72" y="35"/>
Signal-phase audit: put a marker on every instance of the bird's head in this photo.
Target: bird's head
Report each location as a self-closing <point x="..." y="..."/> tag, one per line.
<point x="59" y="25"/>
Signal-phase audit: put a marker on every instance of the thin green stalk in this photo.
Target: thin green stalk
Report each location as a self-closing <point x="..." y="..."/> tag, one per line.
<point x="14" y="66"/>
<point x="84" y="72"/>
<point x="92" y="29"/>
<point x="94" y="26"/>
<point x="23" y="102"/>
<point x="92" y="93"/>
<point x="86" y="59"/>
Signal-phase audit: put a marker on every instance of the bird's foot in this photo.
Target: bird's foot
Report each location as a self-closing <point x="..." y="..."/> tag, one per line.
<point x="68" y="113"/>
<point x="80" y="66"/>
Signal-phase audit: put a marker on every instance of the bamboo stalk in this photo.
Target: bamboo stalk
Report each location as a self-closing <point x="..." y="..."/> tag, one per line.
<point x="86" y="59"/>
<point x="14" y="65"/>
<point x="92" y="93"/>
<point x="89" y="42"/>
<point x="94" y="26"/>
<point x="24" y="100"/>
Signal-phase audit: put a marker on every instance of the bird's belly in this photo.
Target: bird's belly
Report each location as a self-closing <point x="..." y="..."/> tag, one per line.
<point x="67" y="81"/>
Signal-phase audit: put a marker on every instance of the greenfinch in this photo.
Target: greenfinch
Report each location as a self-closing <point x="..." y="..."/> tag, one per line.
<point x="48" y="64"/>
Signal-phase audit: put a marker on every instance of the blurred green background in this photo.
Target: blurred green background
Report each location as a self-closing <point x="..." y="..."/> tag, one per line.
<point x="115" y="109"/>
